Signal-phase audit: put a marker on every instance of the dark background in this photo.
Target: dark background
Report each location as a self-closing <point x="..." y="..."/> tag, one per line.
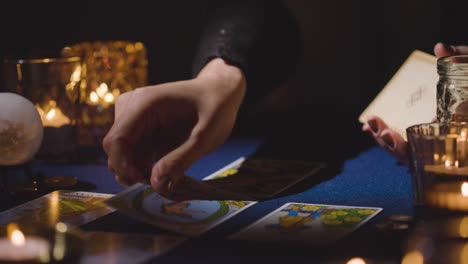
<point x="352" y="48"/>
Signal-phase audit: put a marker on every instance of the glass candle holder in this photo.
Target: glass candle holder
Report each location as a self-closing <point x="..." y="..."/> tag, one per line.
<point x="53" y="86"/>
<point x="439" y="164"/>
<point x="111" y="68"/>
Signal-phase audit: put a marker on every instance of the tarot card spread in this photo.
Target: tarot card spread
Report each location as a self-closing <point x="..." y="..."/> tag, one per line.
<point x="71" y="207"/>
<point x="314" y="224"/>
<point x="192" y="217"/>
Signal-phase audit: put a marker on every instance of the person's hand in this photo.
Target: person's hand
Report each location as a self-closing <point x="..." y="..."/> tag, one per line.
<point x="160" y="131"/>
<point x="391" y="140"/>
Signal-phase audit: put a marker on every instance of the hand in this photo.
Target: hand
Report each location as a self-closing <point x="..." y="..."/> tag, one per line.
<point x="160" y="131"/>
<point x="391" y="140"/>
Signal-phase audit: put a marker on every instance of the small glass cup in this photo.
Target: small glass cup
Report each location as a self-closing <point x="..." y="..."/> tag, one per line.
<point x="53" y="86"/>
<point x="439" y="165"/>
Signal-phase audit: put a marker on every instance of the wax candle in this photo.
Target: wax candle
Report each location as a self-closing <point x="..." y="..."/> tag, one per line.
<point x="18" y="247"/>
<point x="448" y="195"/>
<point x="54" y="117"/>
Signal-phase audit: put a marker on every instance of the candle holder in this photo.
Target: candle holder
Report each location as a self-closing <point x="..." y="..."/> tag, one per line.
<point x="111" y="68"/>
<point x="58" y="243"/>
<point x="53" y="86"/>
<point x="439" y="165"/>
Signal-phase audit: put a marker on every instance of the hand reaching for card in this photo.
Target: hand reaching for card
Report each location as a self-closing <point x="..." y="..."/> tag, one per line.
<point x="388" y="138"/>
<point x="159" y="131"/>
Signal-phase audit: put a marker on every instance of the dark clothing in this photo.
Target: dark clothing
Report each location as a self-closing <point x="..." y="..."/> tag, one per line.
<point x="260" y="37"/>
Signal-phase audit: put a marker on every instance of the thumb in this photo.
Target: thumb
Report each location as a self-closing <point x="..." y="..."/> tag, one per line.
<point x="168" y="170"/>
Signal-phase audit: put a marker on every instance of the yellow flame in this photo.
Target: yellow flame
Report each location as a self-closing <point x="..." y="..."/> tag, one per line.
<point x="356" y="261"/>
<point x="51" y="114"/>
<point x="93" y="97"/>
<point x="102" y="90"/>
<point x="464" y="189"/>
<point x="76" y="75"/>
<point x="17" y="238"/>
<point x="447" y="163"/>
<point x="109" y="98"/>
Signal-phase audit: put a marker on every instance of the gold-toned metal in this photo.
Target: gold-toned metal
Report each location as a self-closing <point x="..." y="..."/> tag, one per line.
<point x="111" y="68"/>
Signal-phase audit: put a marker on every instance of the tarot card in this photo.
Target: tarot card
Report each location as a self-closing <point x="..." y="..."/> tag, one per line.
<point x="259" y="179"/>
<point x="230" y="169"/>
<point x="116" y="248"/>
<point x="409" y="98"/>
<point x="71" y="207"/>
<point x="189" y="217"/>
<point x="314" y="224"/>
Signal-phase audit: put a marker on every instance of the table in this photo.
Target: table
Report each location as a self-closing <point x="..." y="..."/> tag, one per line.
<point x="372" y="177"/>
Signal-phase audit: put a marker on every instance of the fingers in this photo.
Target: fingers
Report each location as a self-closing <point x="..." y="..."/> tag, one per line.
<point x="387" y="138"/>
<point x="120" y="163"/>
<point x="170" y="169"/>
<point x="442" y="50"/>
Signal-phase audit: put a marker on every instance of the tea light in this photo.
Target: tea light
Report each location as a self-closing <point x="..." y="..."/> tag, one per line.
<point x="53" y="117"/>
<point x="447" y="170"/>
<point x="18" y="247"/>
<point x="102" y="96"/>
<point x="448" y="195"/>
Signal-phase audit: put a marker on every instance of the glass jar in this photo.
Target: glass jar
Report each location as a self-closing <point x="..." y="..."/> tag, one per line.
<point x="452" y="88"/>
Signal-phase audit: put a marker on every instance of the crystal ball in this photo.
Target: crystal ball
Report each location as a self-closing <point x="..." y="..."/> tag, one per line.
<point x="21" y="129"/>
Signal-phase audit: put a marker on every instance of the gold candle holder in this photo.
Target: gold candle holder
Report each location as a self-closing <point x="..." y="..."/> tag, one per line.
<point x="111" y="68"/>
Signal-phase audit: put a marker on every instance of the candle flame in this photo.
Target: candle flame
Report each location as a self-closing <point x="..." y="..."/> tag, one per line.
<point x="464" y="189"/>
<point x="102" y="90"/>
<point x="51" y="114"/>
<point x="94" y="97"/>
<point x="447" y="163"/>
<point x="356" y="261"/>
<point x="17" y="238"/>
<point x="109" y="98"/>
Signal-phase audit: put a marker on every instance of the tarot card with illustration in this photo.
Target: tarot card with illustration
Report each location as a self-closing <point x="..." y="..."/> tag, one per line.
<point x="188" y="217"/>
<point x="122" y="248"/>
<point x="71" y="207"/>
<point x="312" y="224"/>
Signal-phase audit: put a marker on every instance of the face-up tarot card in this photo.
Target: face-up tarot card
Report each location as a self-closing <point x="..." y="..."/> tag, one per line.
<point x="71" y="207"/>
<point x="313" y="224"/>
<point x="188" y="217"/>
<point x="116" y="248"/>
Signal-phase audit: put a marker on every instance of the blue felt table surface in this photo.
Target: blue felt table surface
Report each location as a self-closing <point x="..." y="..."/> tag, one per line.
<point x="371" y="178"/>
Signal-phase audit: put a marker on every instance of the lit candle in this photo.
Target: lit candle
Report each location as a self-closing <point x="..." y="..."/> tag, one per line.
<point x="53" y="117"/>
<point x="448" y="195"/>
<point x="102" y="96"/>
<point x="18" y="247"/>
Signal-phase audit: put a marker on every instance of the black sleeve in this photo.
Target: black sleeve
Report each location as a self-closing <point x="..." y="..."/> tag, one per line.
<point x="259" y="36"/>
